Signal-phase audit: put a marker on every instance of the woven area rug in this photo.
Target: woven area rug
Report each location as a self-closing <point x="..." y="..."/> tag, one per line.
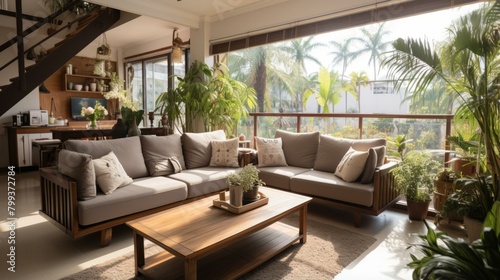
<point x="328" y="250"/>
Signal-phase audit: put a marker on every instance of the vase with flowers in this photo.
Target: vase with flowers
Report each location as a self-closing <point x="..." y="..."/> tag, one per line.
<point x="94" y="114"/>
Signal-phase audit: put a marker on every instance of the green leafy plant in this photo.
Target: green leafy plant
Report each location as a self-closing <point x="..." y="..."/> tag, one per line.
<point x="466" y="64"/>
<point x="414" y="176"/>
<point x="247" y="178"/>
<point x="400" y="142"/>
<point x="129" y="114"/>
<point x="449" y="258"/>
<point x="210" y="95"/>
<point x="472" y="197"/>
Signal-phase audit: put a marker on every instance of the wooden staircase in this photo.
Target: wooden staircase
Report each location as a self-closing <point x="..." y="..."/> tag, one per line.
<point x="88" y="29"/>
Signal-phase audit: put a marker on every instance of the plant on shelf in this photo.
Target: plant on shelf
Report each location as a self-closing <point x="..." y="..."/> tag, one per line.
<point x="466" y="64"/>
<point x="245" y="181"/>
<point x="448" y="258"/>
<point x="414" y="177"/>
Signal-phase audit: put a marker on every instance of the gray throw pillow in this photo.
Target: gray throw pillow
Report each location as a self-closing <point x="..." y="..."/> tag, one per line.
<point x="370" y="165"/>
<point x="158" y="152"/>
<point x="300" y="149"/>
<point x="197" y="147"/>
<point x="80" y="168"/>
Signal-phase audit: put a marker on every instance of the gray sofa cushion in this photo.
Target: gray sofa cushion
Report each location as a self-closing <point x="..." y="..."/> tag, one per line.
<point x="327" y="185"/>
<point x="331" y="150"/>
<point x="300" y="149"/>
<point x="127" y="150"/>
<point x="143" y="194"/>
<point x="197" y="148"/>
<point x="203" y="180"/>
<point x="370" y="165"/>
<point x="158" y="149"/>
<point x="279" y="176"/>
<point x="80" y="168"/>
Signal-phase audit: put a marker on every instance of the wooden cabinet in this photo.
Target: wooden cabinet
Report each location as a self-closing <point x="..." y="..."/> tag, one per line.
<point x="101" y="83"/>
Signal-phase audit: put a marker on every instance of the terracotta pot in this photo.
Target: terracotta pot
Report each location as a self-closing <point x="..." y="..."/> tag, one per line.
<point x="464" y="166"/>
<point x="473" y="228"/>
<point x="417" y="210"/>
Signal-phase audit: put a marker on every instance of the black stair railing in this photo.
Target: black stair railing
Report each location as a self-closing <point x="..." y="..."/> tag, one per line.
<point x="31" y="78"/>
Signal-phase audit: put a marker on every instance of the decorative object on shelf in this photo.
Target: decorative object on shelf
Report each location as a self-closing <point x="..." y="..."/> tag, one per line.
<point x="52" y="119"/>
<point x="93" y="86"/>
<point x="75" y="70"/>
<point x="78" y="87"/>
<point x="70" y="85"/>
<point x="116" y="88"/>
<point x="100" y="68"/>
<point x="151" y="116"/>
<point x="94" y="114"/>
<point x="245" y="181"/>
<point x="133" y="129"/>
<point x="119" y="129"/>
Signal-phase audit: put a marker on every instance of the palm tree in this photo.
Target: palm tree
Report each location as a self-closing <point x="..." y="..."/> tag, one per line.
<point x="257" y="67"/>
<point x="328" y="91"/>
<point x="373" y="44"/>
<point x="343" y="55"/>
<point x="354" y="86"/>
<point x="300" y="51"/>
<point x="468" y="65"/>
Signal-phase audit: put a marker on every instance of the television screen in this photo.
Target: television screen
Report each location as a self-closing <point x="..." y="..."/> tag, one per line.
<point x="78" y="102"/>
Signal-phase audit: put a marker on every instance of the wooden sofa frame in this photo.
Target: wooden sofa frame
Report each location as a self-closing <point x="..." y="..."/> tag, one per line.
<point x="60" y="207"/>
<point x="60" y="204"/>
<point x="384" y="195"/>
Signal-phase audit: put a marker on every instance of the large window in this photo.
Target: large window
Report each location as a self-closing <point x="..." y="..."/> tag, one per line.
<point x="148" y="78"/>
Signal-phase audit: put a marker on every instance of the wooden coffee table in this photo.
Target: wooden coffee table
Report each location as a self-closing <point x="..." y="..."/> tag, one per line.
<point x="203" y="240"/>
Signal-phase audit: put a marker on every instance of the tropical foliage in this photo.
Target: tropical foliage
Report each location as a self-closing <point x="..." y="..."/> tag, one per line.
<point x="447" y="258"/>
<point x="468" y="65"/>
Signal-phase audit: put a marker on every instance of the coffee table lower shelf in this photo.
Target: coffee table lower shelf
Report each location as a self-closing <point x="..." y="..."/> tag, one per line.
<point x="231" y="262"/>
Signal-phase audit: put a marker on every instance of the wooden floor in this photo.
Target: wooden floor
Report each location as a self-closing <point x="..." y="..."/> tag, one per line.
<point x="45" y="252"/>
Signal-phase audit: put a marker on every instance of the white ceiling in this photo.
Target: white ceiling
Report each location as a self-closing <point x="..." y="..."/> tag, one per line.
<point x="162" y="16"/>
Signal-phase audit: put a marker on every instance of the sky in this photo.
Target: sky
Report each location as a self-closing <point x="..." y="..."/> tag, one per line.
<point x="431" y="26"/>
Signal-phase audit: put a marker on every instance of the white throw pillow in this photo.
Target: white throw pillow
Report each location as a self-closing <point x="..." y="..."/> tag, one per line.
<point x="110" y="174"/>
<point x="225" y="153"/>
<point x="352" y="165"/>
<point x="270" y="152"/>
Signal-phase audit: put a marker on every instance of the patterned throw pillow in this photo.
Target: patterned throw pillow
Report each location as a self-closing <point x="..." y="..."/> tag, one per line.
<point x="270" y="152"/>
<point x="225" y="153"/>
<point x="352" y="165"/>
<point x="110" y="174"/>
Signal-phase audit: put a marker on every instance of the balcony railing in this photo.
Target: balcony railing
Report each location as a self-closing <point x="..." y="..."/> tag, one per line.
<point x="429" y="132"/>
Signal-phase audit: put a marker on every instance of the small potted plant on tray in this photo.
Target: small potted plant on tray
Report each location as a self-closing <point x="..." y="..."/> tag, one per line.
<point x="244" y="185"/>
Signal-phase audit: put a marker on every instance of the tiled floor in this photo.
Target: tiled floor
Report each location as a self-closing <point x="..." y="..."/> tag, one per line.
<point x="45" y="252"/>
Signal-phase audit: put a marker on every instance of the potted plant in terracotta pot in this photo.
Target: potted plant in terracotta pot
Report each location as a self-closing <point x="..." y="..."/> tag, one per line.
<point x="414" y="177"/>
<point x="244" y="185"/>
<point x="473" y="198"/>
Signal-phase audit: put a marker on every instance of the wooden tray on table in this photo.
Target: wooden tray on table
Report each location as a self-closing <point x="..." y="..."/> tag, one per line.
<point x="223" y="203"/>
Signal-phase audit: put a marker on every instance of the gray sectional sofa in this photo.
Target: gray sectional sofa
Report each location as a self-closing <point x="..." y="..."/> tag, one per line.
<point x="310" y="168"/>
<point x="73" y="201"/>
<point x="100" y="184"/>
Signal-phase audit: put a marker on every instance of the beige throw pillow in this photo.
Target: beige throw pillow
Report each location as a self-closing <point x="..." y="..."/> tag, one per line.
<point x="225" y="153"/>
<point x="110" y="174"/>
<point x="351" y="166"/>
<point x="270" y="152"/>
